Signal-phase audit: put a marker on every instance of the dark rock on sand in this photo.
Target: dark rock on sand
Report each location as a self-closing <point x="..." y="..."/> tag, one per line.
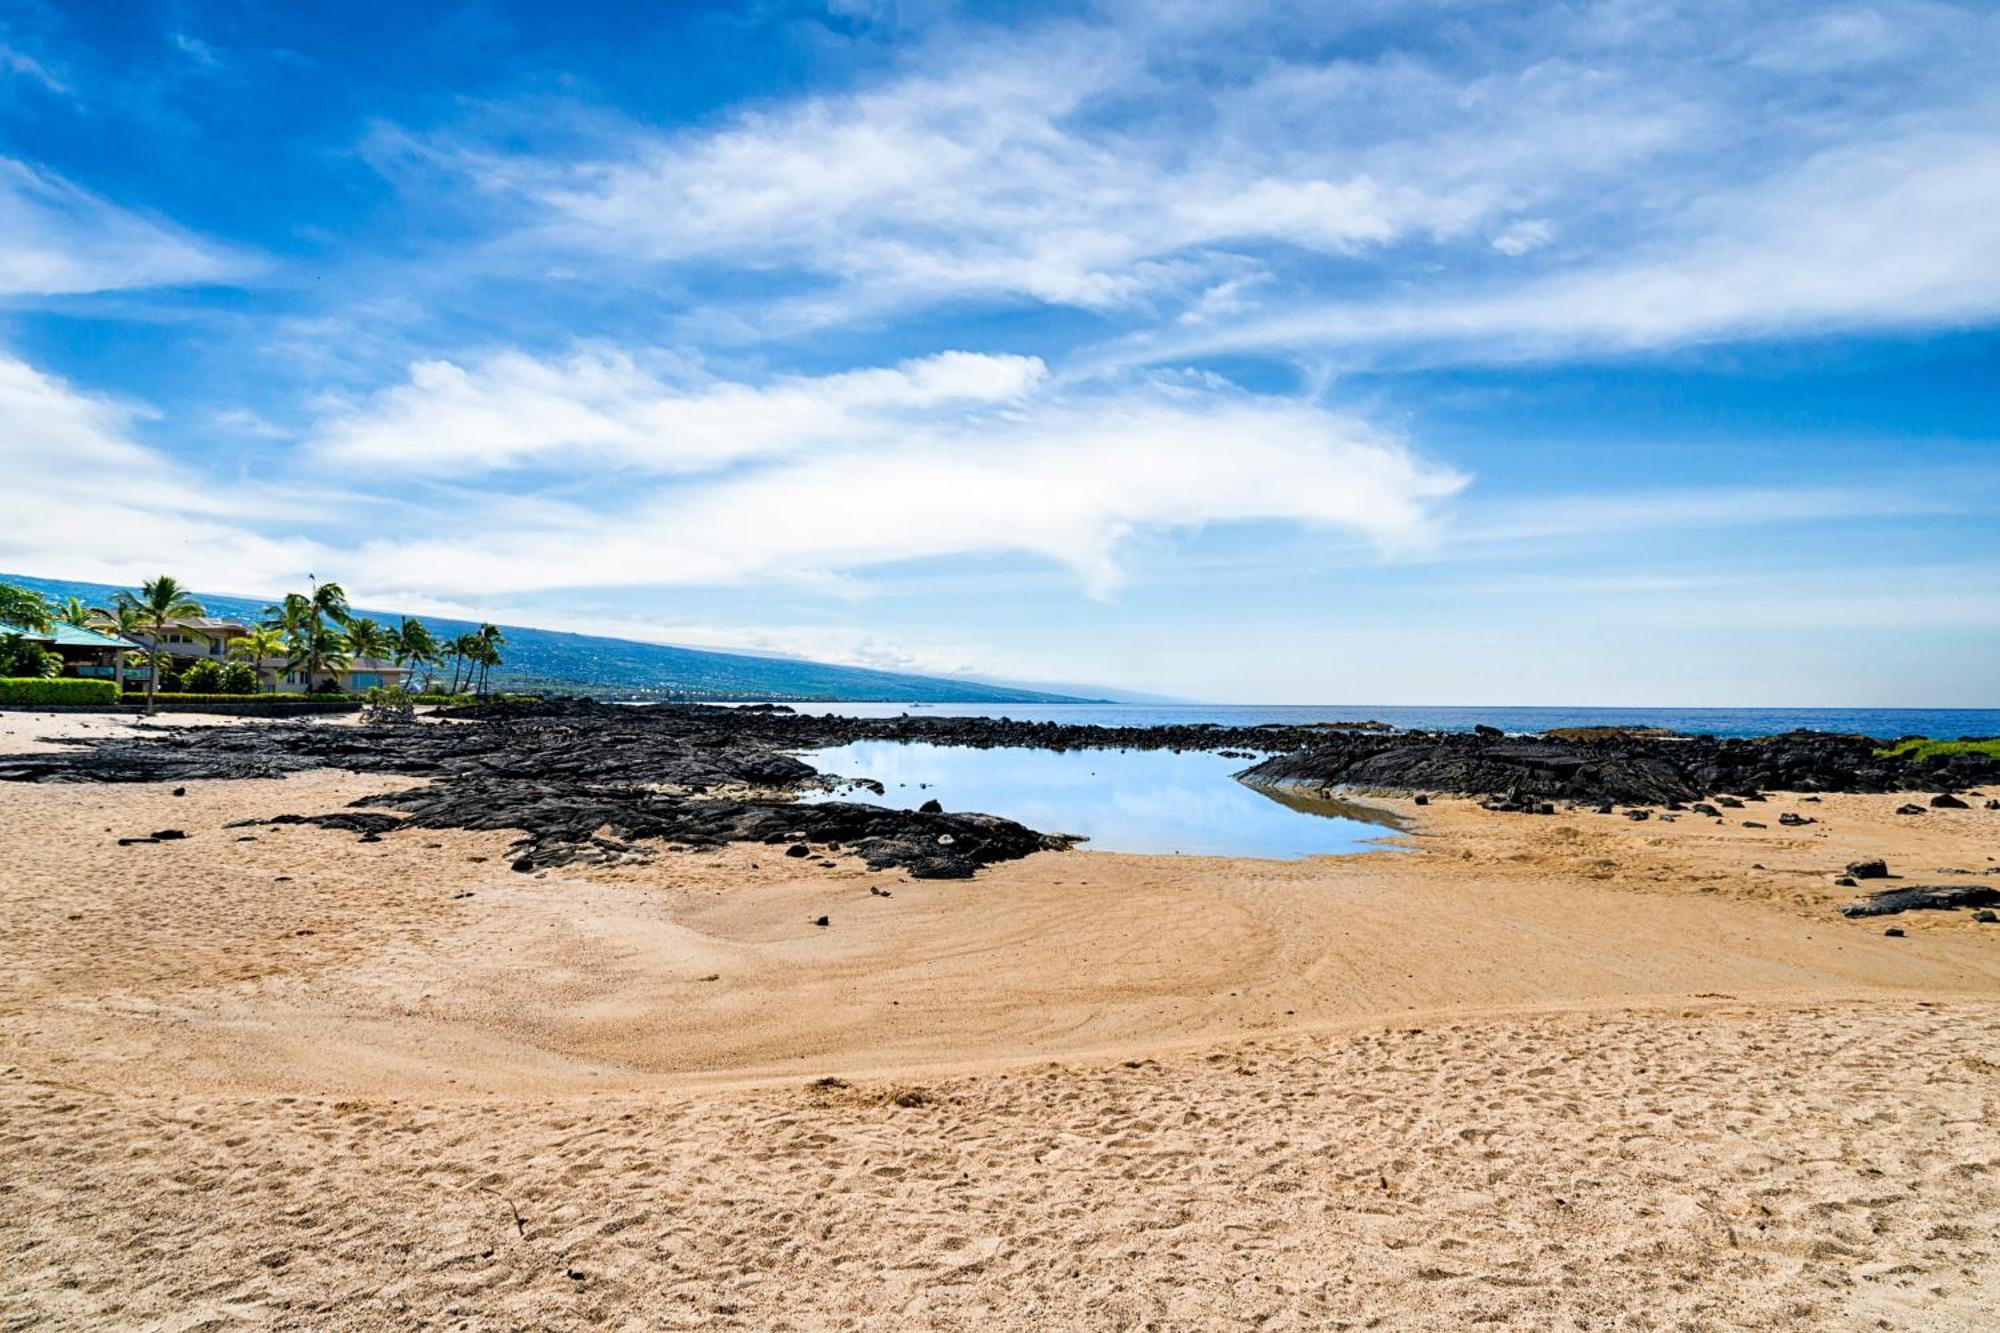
<point x="1934" y="898"/>
<point x="1944" y="800"/>
<point x="698" y="775"/>
<point x="561" y="825"/>
<point x="1986" y="916"/>
<point x="1875" y="868"/>
<point x="1638" y="770"/>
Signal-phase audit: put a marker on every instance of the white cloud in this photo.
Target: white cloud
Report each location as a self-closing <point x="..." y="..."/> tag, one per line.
<point x="83" y="499"/>
<point x="1064" y="477"/>
<point x="1075" y="168"/>
<point x="1213" y="177"/>
<point x="1888" y="233"/>
<point x="604" y="406"/>
<point x="19" y="62"/>
<point x="58" y="239"/>
<point x="1518" y="238"/>
<point x="196" y="50"/>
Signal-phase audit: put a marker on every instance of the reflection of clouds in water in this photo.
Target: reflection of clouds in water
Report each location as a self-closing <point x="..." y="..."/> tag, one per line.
<point x="1126" y="801"/>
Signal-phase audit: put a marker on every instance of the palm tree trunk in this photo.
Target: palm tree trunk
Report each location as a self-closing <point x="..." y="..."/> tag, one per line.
<point x="153" y="667"/>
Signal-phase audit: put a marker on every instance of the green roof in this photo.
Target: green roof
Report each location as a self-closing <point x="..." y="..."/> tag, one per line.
<point x="66" y="636"/>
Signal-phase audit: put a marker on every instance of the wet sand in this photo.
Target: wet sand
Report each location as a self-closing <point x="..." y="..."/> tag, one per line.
<point x="1525" y="1071"/>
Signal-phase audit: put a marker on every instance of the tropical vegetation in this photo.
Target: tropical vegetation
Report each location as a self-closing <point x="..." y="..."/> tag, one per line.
<point x="314" y="634"/>
<point x="161" y="604"/>
<point x="22" y="658"/>
<point x="1918" y="750"/>
<point x="24" y="609"/>
<point x="66" y="691"/>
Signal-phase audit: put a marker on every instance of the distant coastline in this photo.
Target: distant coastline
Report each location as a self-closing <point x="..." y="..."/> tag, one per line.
<point x="627" y="669"/>
<point x="1885" y="723"/>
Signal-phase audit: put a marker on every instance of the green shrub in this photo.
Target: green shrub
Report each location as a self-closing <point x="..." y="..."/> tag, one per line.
<point x="1917" y="751"/>
<point x="69" y="691"/>
<point x="240" y="678"/>
<point x="202" y="678"/>
<point x="22" y="658"/>
<point x="281" y="700"/>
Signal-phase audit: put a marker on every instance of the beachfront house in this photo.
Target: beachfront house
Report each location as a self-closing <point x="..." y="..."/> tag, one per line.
<point x="84" y="652"/>
<point x="199" y="638"/>
<point x="358" y="677"/>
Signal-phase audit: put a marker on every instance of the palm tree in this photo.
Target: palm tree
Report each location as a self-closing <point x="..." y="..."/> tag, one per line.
<point x="290" y="616"/>
<point x="415" y="647"/>
<point x="464" y="650"/>
<point x="370" y="638"/>
<point x="318" y="652"/>
<point x="329" y="602"/>
<point x="488" y="655"/>
<point x="257" y="647"/>
<point x="311" y="643"/>
<point x="160" y="603"/>
<point x="20" y="607"/>
<point x="74" y="612"/>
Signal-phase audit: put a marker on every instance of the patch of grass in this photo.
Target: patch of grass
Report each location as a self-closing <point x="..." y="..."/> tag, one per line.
<point x="1920" y="750"/>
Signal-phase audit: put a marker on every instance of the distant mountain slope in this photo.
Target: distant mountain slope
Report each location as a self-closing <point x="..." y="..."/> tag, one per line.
<point x="546" y="659"/>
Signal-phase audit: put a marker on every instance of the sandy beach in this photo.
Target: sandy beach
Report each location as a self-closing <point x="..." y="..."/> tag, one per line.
<point x="1520" y="1071"/>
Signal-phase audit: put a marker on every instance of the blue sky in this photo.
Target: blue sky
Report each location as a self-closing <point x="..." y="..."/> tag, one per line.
<point x="1622" y="353"/>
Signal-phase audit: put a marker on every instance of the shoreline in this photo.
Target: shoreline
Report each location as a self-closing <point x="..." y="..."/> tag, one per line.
<point x="377" y="1083"/>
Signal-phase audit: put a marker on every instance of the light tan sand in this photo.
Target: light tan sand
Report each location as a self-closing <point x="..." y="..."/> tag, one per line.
<point x="1535" y="1071"/>
<point x="27" y="733"/>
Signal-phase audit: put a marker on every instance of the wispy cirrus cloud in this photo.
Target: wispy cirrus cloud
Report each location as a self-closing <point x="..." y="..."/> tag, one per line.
<point x="1077" y="166"/>
<point x="1212" y="179"/>
<point x="1882" y="234"/>
<point x="19" y="63"/>
<point x="604" y="406"/>
<point x="58" y="239"/>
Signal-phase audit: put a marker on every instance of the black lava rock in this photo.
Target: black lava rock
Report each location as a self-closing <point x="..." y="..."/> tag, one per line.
<point x="1934" y="898"/>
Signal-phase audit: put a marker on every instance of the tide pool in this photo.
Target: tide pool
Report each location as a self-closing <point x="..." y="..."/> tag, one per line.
<point x="1153" y="801"/>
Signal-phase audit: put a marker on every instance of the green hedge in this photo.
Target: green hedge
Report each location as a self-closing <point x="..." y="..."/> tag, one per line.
<point x="61" y="691"/>
<point x="182" y="697"/>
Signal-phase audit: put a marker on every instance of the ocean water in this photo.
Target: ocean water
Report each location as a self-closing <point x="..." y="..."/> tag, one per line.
<point x="1887" y="723"/>
<point x="1152" y="801"/>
